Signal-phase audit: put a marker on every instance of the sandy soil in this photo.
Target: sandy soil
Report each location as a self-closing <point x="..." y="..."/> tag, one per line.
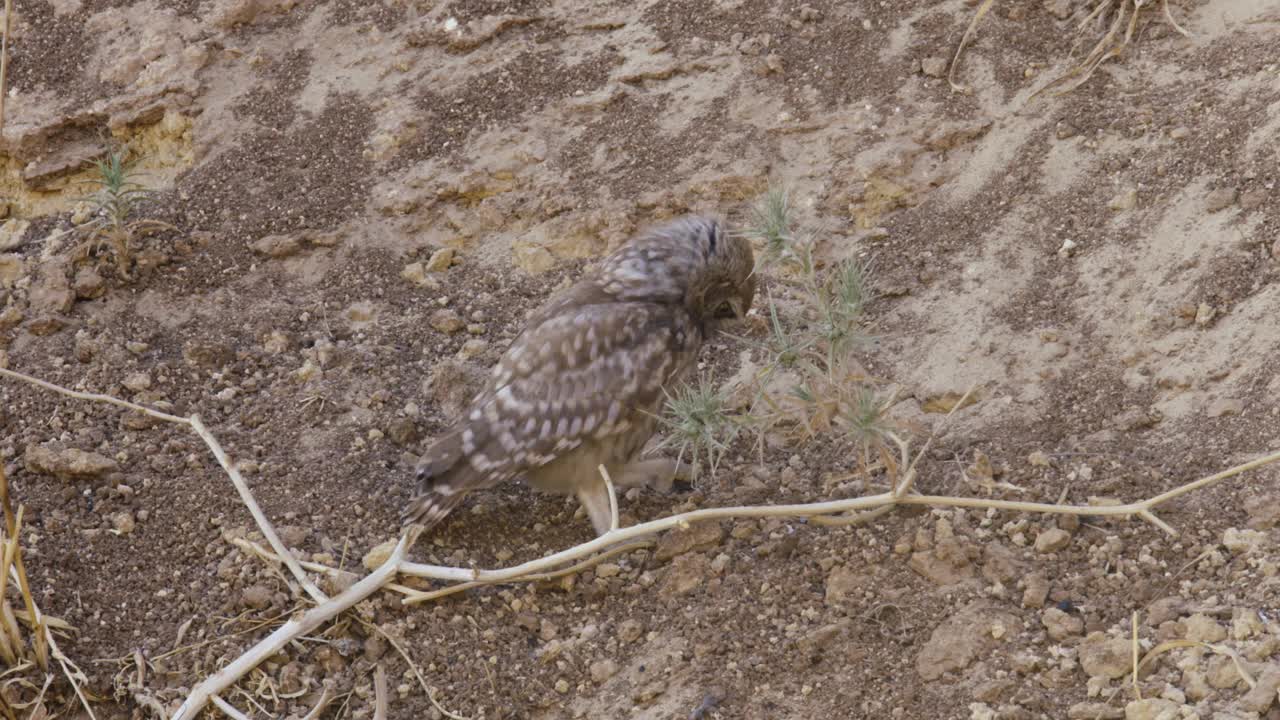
<point x="1102" y="265"/>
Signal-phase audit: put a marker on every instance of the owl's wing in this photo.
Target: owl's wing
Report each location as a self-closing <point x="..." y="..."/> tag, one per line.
<point x="579" y="375"/>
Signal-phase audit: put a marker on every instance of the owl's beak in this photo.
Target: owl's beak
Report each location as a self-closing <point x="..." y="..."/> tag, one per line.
<point x="739" y="312"/>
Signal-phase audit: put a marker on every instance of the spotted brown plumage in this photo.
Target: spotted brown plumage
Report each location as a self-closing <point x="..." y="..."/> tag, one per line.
<point x="582" y="385"/>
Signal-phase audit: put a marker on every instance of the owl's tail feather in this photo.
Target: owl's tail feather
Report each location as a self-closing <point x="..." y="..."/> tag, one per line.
<point x="441" y="482"/>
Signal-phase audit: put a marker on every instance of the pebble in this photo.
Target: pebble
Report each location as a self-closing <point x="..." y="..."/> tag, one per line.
<point x="440" y="260"/>
<point x="68" y="463"/>
<point x="1061" y="625"/>
<point x="1036" y="591"/>
<point x="1202" y="628"/>
<point x="122" y="522"/>
<point x="1126" y="200"/>
<point x="630" y="631"/>
<point x="472" y="348"/>
<point x="256" y="597"/>
<point x="137" y="382"/>
<point x="447" y="321"/>
<point x="1179" y="133"/>
<point x="1220" y="199"/>
<point x="602" y="670"/>
<point x="1052" y="540"/>
<point x="934" y="66"/>
<point x="1102" y="656"/>
<point x="1152" y="709"/>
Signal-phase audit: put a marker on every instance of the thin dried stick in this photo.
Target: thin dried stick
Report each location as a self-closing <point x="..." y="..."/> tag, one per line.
<point x="613" y="499"/>
<point x="419" y="596"/>
<point x="968" y="35"/>
<point x="1142" y="509"/>
<point x="379" y="692"/>
<point x="4" y="61"/>
<point x="326" y="697"/>
<point x="236" y="479"/>
<point x="295" y="627"/>
<point x="228" y="708"/>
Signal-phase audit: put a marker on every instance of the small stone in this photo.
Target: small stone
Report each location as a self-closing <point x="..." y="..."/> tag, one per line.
<point x="1125" y="200"/>
<point x="547" y="630"/>
<point x="1205" y="314"/>
<point x="1179" y="133"/>
<point x="12" y="268"/>
<point x="934" y="66"/>
<point x="1222" y="673"/>
<point x="1220" y="199"/>
<point x="88" y="284"/>
<point x="1253" y="199"/>
<point x="1223" y="407"/>
<point x="256" y="597"/>
<point x="440" y="260"/>
<point x="607" y="570"/>
<point x="472" y="348"/>
<point x="1052" y="540"/>
<point x="1060" y="9"/>
<point x="630" y="631"/>
<point x="602" y="670"/>
<point x="843" y="585"/>
<point x="1036" y="591"/>
<point x="403" y="431"/>
<point x="1244" y="541"/>
<point x="447" y="321"/>
<point x="1038" y="459"/>
<point x="1262" y="696"/>
<point x="1164" y="610"/>
<point x="698" y="536"/>
<point x="416" y="273"/>
<point x="1061" y="625"/>
<point x="1101" y="656"/>
<point x="122" y="522"/>
<point x="562" y="686"/>
<point x="137" y="348"/>
<point x="686" y="574"/>
<point x="1202" y="628"/>
<point x="1152" y="709"/>
<point x="137" y="382"/>
<point x="11" y="234"/>
<point x="1094" y="711"/>
<point x="67" y="464"/>
<point x="277" y="246"/>
<point x="10" y="318"/>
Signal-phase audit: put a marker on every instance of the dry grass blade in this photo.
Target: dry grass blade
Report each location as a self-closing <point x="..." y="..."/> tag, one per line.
<point x="327" y="695"/>
<point x="379" y="692"/>
<point x="4" y="61"/>
<point x="964" y="41"/>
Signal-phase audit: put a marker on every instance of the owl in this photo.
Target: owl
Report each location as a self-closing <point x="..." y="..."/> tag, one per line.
<point x="582" y="385"/>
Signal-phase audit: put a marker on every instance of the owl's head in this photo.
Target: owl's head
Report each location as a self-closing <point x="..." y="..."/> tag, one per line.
<point x="693" y="260"/>
<point x="724" y="285"/>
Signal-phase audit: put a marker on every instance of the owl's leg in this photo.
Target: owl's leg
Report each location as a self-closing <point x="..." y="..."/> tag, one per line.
<point x="595" y="500"/>
<point x="659" y="474"/>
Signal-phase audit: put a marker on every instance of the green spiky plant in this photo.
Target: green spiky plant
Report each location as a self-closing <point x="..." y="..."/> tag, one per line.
<point x="699" y="423"/>
<point x="114" y="204"/>
<point x="825" y="393"/>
